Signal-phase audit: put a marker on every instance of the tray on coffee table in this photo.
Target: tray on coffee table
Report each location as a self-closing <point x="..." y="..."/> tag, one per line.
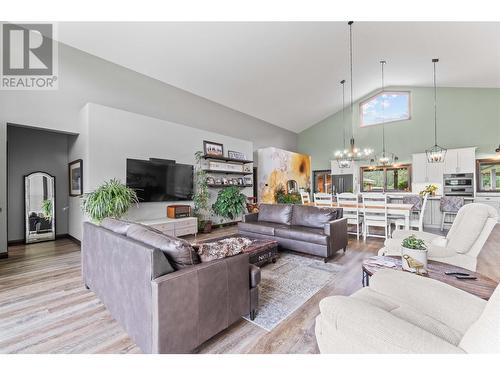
<point x="261" y="251"/>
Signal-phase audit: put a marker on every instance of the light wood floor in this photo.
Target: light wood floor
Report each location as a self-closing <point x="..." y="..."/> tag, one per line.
<point x="44" y="307"/>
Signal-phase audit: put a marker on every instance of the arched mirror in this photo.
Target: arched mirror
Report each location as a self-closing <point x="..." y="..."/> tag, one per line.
<point x="39" y="203"/>
<point x="292" y="186"/>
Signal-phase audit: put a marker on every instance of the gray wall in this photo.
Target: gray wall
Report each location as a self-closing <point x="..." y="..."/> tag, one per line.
<point x="3" y="183"/>
<point x="29" y="151"/>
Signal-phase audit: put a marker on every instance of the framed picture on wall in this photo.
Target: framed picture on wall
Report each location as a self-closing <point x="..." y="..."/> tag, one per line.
<point x="236" y="155"/>
<point x="75" y="170"/>
<point x="213" y="148"/>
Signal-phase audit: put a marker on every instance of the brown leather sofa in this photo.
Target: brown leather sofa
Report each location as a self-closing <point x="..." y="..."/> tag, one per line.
<point x="166" y="305"/>
<point x="306" y="229"/>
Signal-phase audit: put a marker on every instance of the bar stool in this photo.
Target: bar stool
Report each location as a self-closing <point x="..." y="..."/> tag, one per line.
<point x="450" y="206"/>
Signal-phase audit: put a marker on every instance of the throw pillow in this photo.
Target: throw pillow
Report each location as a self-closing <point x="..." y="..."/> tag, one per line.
<point x="179" y="252"/>
<point x="223" y="248"/>
<point x="275" y="213"/>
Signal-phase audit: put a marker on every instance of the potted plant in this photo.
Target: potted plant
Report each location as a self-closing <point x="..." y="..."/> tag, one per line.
<point x="414" y="255"/>
<point x="111" y="199"/>
<point x="281" y="196"/>
<point x="230" y="203"/>
<point x="201" y="196"/>
<point x="429" y="189"/>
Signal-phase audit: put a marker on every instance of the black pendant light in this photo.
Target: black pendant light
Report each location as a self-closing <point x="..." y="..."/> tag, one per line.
<point x="436" y="154"/>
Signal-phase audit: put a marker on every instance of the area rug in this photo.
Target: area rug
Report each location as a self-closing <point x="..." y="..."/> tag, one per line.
<point x="288" y="284"/>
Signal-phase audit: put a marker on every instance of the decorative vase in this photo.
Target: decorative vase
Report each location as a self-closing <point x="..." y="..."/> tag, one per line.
<point x="414" y="260"/>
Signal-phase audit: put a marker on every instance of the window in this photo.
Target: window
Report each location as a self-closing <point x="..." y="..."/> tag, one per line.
<point x="488" y="175"/>
<point x="387" y="106"/>
<point x="380" y="179"/>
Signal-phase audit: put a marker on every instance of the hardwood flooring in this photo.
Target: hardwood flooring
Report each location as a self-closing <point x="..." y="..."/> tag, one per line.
<point x="44" y="307"/>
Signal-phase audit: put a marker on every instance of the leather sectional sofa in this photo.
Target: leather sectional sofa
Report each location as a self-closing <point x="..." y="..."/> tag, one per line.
<point x="306" y="229"/>
<point x="157" y="289"/>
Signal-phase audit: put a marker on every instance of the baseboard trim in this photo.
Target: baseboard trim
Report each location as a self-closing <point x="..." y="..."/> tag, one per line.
<point x="58" y="237"/>
<point x="75" y="240"/>
<point x="4" y="255"/>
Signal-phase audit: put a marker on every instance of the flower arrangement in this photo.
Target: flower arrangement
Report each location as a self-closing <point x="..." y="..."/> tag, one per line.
<point x="429" y="189"/>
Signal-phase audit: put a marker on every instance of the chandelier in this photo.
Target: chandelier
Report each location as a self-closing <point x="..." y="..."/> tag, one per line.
<point x="351" y="154"/>
<point x="384" y="158"/>
<point x="436" y="154"/>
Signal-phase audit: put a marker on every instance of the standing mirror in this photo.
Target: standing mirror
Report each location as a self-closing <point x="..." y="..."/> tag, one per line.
<point x="39" y="198"/>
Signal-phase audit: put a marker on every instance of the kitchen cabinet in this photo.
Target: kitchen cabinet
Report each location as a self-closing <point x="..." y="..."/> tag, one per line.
<point x="460" y="160"/>
<point x="424" y="171"/>
<point x="493" y="201"/>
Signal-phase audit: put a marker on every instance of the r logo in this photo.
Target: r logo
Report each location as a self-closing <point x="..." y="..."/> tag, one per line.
<point x="27" y="49"/>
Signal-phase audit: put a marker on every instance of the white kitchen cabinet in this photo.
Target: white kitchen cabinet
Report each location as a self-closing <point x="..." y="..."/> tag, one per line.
<point x="460" y="160"/>
<point x="424" y="171"/>
<point x="493" y="201"/>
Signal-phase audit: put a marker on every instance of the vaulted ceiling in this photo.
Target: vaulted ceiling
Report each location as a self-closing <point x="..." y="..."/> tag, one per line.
<point x="288" y="73"/>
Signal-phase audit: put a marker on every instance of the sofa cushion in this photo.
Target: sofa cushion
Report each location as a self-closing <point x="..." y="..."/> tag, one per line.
<point x="115" y="225"/>
<point x="467" y="227"/>
<point x="304" y="234"/>
<point x="179" y="252"/>
<point x="314" y="217"/>
<point x="224" y="248"/>
<point x="275" y="213"/>
<point x="260" y="227"/>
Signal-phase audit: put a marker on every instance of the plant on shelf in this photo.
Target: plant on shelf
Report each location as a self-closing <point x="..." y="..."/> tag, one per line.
<point x="47" y="209"/>
<point x="414" y="254"/>
<point x="429" y="189"/>
<point x="281" y="196"/>
<point x="201" y="196"/>
<point x="111" y="199"/>
<point x="230" y="203"/>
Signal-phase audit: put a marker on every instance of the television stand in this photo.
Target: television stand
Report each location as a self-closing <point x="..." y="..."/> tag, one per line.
<point x="174" y="227"/>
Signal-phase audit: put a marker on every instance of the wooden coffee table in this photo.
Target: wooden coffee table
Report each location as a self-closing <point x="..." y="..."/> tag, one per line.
<point x="482" y="287"/>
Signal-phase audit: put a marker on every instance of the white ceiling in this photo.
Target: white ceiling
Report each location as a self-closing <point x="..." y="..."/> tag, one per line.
<point x="288" y="73"/>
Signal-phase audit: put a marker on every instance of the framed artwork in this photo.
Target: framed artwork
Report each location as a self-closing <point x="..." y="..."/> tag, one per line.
<point x="236" y="155"/>
<point x="75" y="172"/>
<point x="213" y="148"/>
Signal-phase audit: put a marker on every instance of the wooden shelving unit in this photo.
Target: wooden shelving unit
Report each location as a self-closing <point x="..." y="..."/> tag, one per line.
<point x="223" y="186"/>
<point x="228" y="172"/>
<point x="229" y="160"/>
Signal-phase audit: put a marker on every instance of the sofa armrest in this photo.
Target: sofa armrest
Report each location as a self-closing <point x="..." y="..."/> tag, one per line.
<point x="376" y="329"/>
<point x="431" y="297"/>
<point x="195" y="303"/>
<point x="337" y="231"/>
<point x="248" y="218"/>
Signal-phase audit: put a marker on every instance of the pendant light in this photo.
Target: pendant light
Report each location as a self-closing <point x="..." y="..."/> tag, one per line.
<point x="384" y="158"/>
<point x="342" y="157"/>
<point x="353" y="153"/>
<point x="436" y="154"/>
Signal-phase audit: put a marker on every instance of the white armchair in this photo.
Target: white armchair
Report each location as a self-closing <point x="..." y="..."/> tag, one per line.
<point x="404" y="313"/>
<point x="462" y="245"/>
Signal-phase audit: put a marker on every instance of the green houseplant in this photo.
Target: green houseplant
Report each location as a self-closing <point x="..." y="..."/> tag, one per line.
<point x="281" y="196"/>
<point x="111" y="199"/>
<point x="230" y="203"/>
<point x="201" y="196"/>
<point x="414" y="254"/>
<point x="47" y="209"/>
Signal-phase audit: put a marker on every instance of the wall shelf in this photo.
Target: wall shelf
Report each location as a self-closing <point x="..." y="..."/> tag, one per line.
<point x="229" y="160"/>
<point x="223" y="186"/>
<point x="228" y="172"/>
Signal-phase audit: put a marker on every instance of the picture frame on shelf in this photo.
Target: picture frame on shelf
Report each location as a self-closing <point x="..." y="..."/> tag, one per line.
<point x="234" y="181"/>
<point x="218" y="181"/>
<point x="225" y="181"/>
<point x="236" y="155"/>
<point x="75" y="176"/>
<point x="240" y="181"/>
<point x="213" y="149"/>
<point x="248" y="180"/>
<point x="210" y="180"/>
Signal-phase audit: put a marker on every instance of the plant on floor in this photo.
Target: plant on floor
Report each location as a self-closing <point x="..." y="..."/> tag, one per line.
<point x="414" y="243"/>
<point x="281" y="196"/>
<point x="47" y="209"/>
<point x="111" y="199"/>
<point x="201" y="196"/>
<point x="230" y="203"/>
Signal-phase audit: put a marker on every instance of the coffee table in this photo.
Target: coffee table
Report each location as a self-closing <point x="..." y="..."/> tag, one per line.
<point x="483" y="287"/>
<point x="261" y="251"/>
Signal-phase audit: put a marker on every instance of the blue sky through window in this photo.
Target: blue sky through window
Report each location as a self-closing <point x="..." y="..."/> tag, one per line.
<point x="396" y="108"/>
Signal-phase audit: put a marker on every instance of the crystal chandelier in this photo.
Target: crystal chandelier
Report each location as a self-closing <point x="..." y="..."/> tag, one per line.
<point x="384" y="158"/>
<point x="436" y="154"/>
<point x="348" y="155"/>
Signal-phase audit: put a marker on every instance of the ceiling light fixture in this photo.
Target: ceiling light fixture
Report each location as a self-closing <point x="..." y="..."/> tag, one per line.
<point x="384" y="158"/>
<point x="353" y="153"/>
<point x="436" y="154"/>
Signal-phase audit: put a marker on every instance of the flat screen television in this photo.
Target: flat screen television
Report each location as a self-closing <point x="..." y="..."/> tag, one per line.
<point x="160" y="181"/>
